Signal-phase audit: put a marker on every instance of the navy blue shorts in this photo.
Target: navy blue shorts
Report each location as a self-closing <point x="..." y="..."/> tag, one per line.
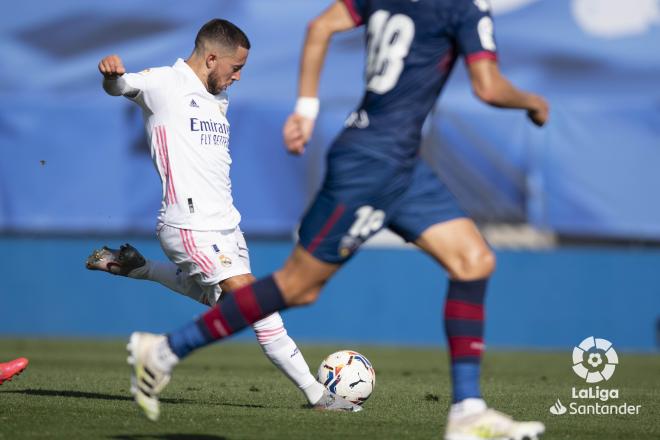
<point x="362" y="194"/>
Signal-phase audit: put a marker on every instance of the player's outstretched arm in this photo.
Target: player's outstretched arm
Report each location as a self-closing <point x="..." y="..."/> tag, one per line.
<point x="112" y="68"/>
<point x="300" y="124"/>
<point x="494" y="89"/>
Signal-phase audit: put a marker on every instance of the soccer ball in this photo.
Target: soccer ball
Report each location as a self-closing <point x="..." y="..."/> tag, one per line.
<point x="349" y="375"/>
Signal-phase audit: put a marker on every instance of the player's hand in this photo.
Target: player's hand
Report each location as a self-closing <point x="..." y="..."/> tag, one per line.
<point x="539" y="113"/>
<point x="111" y="67"/>
<point x="297" y="131"/>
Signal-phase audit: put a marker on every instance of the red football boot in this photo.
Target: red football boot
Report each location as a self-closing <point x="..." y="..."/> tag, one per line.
<point x="12" y="368"/>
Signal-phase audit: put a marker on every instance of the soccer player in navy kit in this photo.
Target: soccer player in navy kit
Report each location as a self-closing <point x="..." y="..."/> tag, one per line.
<point x="375" y="179"/>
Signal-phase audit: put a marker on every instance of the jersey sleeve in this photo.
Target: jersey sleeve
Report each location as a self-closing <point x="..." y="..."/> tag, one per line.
<point x="357" y="9"/>
<point x="475" y="32"/>
<point x="153" y="86"/>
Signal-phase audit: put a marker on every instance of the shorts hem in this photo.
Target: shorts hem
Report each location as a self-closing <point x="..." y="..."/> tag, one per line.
<point x="222" y="276"/>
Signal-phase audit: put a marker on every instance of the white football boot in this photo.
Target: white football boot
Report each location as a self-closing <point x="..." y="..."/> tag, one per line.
<point x="477" y="422"/>
<point x="331" y="402"/>
<point x="152" y="362"/>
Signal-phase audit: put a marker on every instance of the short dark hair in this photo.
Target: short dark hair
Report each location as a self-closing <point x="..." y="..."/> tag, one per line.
<point x="222" y="32"/>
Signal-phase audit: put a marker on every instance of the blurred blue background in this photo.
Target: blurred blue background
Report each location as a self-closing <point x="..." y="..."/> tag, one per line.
<point x="549" y="300"/>
<point x="75" y="162"/>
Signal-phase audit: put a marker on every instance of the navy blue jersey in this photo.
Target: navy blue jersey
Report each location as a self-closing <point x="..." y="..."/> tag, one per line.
<point x="411" y="48"/>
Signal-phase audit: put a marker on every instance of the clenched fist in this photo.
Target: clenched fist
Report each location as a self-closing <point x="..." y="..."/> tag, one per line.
<point x="297" y="131"/>
<point x="111" y="67"/>
<point x="539" y="114"/>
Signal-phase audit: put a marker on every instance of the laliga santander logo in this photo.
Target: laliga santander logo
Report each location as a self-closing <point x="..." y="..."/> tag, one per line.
<point x="595" y="360"/>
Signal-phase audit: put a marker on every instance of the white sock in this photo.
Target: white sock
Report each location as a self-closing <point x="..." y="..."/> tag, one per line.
<point x="467" y="407"/>
<point x="271" y="334"/>
<point x="169" y="275"/>
<point x="285" y="355"/>
<point x="165" y="273"/>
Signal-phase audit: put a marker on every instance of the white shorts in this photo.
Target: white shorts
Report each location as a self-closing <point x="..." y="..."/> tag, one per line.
<point x="208" y="257"/>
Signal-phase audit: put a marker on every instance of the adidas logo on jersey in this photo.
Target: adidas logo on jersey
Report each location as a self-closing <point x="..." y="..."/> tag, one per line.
<point x="193" y="103"/>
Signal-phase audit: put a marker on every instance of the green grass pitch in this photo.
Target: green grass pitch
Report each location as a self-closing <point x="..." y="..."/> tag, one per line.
<point x="79" y="390"/>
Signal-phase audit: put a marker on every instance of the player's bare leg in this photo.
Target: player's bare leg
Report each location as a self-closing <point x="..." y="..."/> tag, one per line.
<point x="300" y="281"/>
<point x="302" y="276"/>
<point x="459" y="247"/>
<point x="271" y="334"/>
<point x="278" y="346"/>
<point x="280" y="349"/>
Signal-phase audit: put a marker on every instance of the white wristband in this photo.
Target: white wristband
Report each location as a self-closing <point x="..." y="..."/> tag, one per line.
<point x="308" y="106"/>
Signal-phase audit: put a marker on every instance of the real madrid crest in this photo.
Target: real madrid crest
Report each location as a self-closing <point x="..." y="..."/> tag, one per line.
<point x="225" y="260"/>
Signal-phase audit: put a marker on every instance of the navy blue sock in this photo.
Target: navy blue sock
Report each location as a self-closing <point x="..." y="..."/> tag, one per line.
<point x="186" y="339"/>
<point x="464" y="326"/>
<point x="235" y="311"/>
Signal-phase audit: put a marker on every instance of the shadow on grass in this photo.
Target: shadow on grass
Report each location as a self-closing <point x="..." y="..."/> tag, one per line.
<point x="239" y="405"/>
<point x="84" y="395"/>
<point x="167" y="437"/>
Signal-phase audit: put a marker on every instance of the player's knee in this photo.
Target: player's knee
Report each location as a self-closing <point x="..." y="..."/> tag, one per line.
<point x="488" y="263"/>
<point x="474" y="264"/>
<point x="310" y="296"/>
<point x="305" y="298"/>
<point x="298" y="290"/>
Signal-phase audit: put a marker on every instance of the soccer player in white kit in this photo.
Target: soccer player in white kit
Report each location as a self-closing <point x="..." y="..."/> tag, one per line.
<point x="184" y="108"/>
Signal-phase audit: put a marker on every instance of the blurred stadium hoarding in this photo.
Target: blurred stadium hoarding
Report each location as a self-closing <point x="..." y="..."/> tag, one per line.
<point x="548" y="300"/>
<point x="75" y="161"/>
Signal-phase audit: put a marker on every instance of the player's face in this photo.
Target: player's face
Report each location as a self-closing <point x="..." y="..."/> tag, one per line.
<point x="226" y="69"/>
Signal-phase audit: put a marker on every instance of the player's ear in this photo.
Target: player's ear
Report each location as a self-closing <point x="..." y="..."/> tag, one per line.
<point x="211" y="59"/>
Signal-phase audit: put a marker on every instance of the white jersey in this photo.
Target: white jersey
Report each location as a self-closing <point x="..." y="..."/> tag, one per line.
<point x="189" y="136"/>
